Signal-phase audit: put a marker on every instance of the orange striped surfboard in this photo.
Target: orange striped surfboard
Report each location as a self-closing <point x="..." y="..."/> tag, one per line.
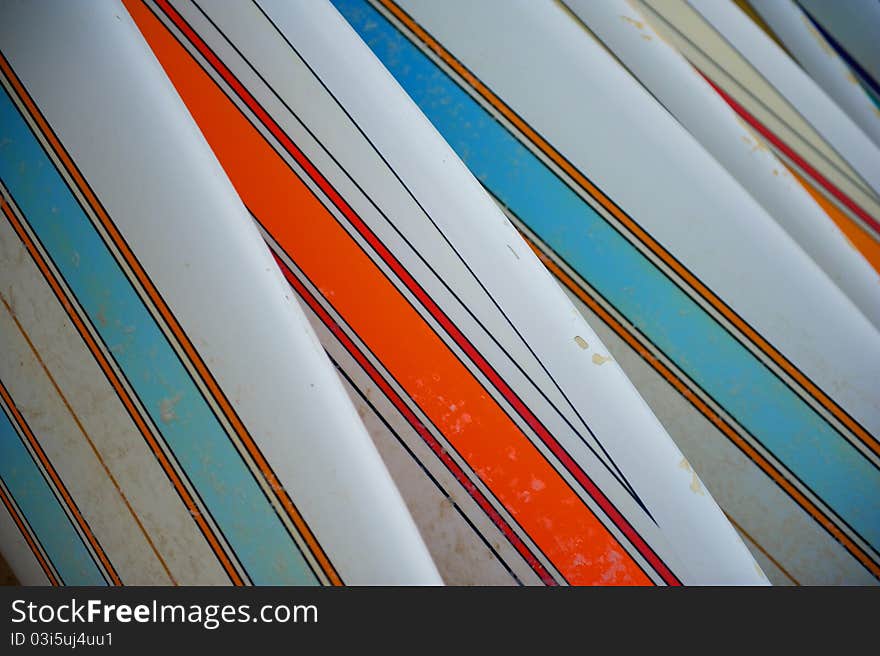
<point x="504" y="422"/>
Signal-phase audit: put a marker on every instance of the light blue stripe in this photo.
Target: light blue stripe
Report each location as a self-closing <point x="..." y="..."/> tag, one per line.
<point x="697" y="344"/>
<point x="200" y="445"/>
<point x="44" y="513"/>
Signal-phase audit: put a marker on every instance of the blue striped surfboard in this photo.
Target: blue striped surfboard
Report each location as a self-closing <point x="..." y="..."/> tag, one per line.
<point x="523" y="452"/>
<point x="768" y="390"/>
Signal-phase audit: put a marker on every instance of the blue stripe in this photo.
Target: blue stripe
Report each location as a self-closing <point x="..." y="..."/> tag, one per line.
<point x="44" y="513"/>
<point x="697" y="344"/>
<point x="188" y="425"/>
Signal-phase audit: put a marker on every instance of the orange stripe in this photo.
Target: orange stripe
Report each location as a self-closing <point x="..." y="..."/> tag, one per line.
<point x="120" y="390"/>
<point x="860" y="239"/>
<point x="53" y="580"/>
<point x="59" y="485"/>
<point x="633" y="227"/>
<point x="707" y="412"/>
<point x="577" y="543"/>
<point x="181" y="337"/>
<point x="88" y="440"/>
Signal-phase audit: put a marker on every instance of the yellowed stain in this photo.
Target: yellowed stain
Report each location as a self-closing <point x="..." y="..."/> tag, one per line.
<point x="775" y="171"/>
<point x="580" y="341"/>
<point x="600" y="359"/>
<point x="646" y="37"/>
<point x="695" y="486"/>
<point x="755" y="144"/>
<point x="632" y="21"/>
<point x="646" y="25"/>
<point x="750" y="138"/>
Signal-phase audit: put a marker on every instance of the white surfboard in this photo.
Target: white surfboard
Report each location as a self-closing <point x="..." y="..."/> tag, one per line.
<point x="168" y="415"/>
<point x="524" y="453"/>
<point x="687" y="95"/>
<point x="805" y="42"/>
<point x="806" y="143"/>
<point x="796" y="86"/>
<point x="756" y="362"/>
<point x="851" y="28"/>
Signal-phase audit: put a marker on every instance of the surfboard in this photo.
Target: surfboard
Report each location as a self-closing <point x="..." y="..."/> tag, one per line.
<point x="804" y="41"/>
<point x="851" y="29"/>
<point x="523" y="452"/>
<point x="773" y="63"/>
<point x="733" y="143"/>
<point x="794" y="138"/>
<point x="168" y="414"/>
<point x="756" y="363"/>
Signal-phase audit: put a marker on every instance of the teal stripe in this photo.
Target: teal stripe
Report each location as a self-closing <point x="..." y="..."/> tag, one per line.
<point x="690" y="337"/>
<point x="868" y="90"/>
<point x="53" y="528"/>
<point x="199" y="443"/>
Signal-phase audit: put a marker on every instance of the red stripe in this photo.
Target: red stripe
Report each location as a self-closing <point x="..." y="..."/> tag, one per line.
<point x="793" y="156"/>
<point x="419" y="427"/>
<point x="568" y="462"/>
